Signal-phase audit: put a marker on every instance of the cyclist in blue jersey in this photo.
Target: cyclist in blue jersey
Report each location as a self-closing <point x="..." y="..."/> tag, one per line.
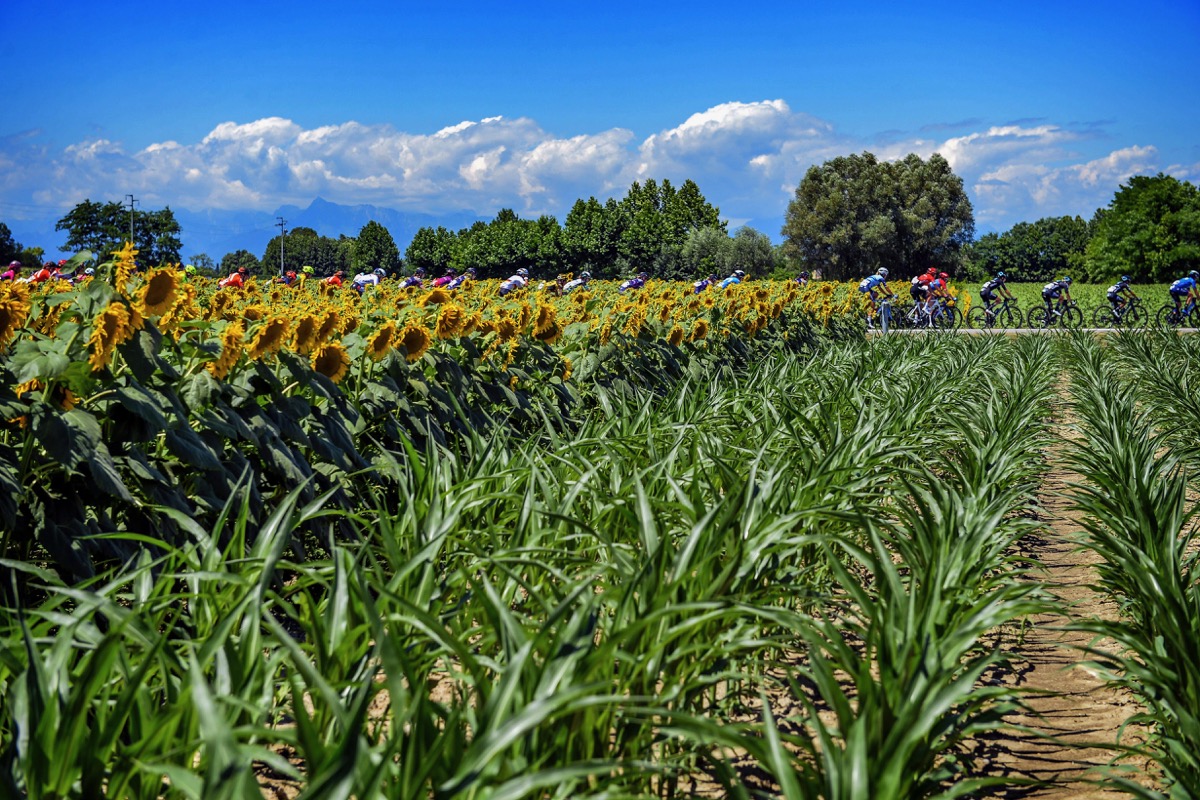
<point x="873" y="286"/>
<point x="702" y="284"/>
<point x="1119" y="295"/>
<point x="1186" y="288"/>
<point x="737" y="277"/>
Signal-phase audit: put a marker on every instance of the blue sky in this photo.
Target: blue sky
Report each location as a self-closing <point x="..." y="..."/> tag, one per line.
<point x="1042" y="108"/>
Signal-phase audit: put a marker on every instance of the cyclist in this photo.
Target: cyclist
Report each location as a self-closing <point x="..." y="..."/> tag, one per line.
<point x="636" y="282"/>
<point x="872" y="286"/>
<point x="1117" y="295"/>
<point x="919" y="288"/>
<point x="459" y="280"/>
<point x="996" y="286"/>
<point x="236" y="279"/>
<point x="1059" y="290"/>
<point x="336" y="278"/>
<point x="804" y="278"/>
<point x="517" y="281"/>
<point x="364" y="279"/>
<point x="737" y="277"/>
<point x="1186" y="288"/>
<point x="572" y="285"/>
<point x="415" y="279"/>
<point x="445" y="279"/>
<point x="702" y="284"/>
<point x="939" y="292"/>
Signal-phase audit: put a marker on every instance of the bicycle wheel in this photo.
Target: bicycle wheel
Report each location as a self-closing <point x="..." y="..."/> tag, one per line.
<point x="1135" y="317"/>
<point x="1039" y="318"/>
<point x="1168" y="317"/>
<point x="979" y="320"/>
<point x="1009" y="317"/>
<point x="1103" y="317"/>
<point x="1072" y="317"/>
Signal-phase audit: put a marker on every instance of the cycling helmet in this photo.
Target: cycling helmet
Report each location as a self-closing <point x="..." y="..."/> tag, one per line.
<point x="931" y="271"/>
<point x="1001" y="274"/>
<point x="307" y="270"/>
<point x="90" y="271"/>
<point x="419" y="271"/>
<point x="804" y="274"/>
<point x="469" y="271"/>
<point x="380" y="271"/>
<point x="291" y="274"/>
<point x="587" y="276"/>
<point x="644" y="275"/>
<point x="1126" y="279"/>
<point x="882" y="272"/>
<point x="450" y="270"/>
<point x="241" y="270"/>
<point x="740" y="273"/>
<point x="943" y="276"/>
<point x="524" y="273"/>
<point x="190" y="269"/>
<point x="1194" y="275"/>
<point x="1067" y="280"/>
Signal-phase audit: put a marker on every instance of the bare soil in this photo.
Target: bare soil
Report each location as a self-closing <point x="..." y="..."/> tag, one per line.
<point x="1068" y="742"/>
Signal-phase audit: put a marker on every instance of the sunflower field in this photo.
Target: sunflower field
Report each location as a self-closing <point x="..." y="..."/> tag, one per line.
<point x="302" y="542"/>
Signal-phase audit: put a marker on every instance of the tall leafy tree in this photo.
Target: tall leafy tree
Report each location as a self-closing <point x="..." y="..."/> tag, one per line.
<point x="1150" y="230"/>
<point x="375" y="248"/>
<point x="103" y="227"/>
<point x="10" y="250"/>
<point x="591" y="237"/>
<point x="1031" y="251"/>
<point x="305" y="247"/>
<point x="431" y="249"/>
<point x="752" y="251"/>
<point x="706" y="251"/>
<point x="854" y="214"/>
<point x="241" y="258"/>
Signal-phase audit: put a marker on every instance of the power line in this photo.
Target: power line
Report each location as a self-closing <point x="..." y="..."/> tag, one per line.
<point x="282" y="225"/>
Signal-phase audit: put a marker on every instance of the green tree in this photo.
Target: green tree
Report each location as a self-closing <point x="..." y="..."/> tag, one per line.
<point x="203" y="261"/>
<point x="431" y="249"/>
<point x="591" y="238"/>
<point x="707" y="251"/>
<point x="305" y="247"/>
<point x="1037" y="251"/>
<point x="10" y="249"/>
<point x="854" y="214"/>
<point x="375" y="248"/>
<point x="104" y="227"/>
<point x="752" y="251"/>
<point x="1150" y="231"/>
<point x="241" y="258"/>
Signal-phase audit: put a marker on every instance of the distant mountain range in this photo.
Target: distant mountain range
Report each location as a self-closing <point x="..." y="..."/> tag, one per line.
<point x="219" y="232"/>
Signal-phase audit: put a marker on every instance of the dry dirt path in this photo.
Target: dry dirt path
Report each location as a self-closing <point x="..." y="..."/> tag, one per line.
<point x="1075" y="717"/>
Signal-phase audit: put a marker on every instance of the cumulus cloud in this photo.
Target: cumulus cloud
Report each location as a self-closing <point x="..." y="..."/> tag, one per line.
<point x="747" y="157"/>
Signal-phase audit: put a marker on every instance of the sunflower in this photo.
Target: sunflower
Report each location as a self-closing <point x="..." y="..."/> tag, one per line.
<point x="415" y="341"/>
<point x="126" y="264"/>
<point x="332" y="361"/>
<point x="434" y="297"/>
<point x="110" y="328"/>
<point x="450" y="321"/>
<point x="547" y="319"/>
<point x="507" y="328"/>
<point x="13" y="313"/>
<point x="304" y="338"/>
<point x="675" y="337"/>
<point x="253" y="313"/>
<point x="568" y="367"/>
<point x="382" y="342"/>
<point x="269" y="338"/>
<point x="231" y="350"/>
<point x="159" y="293"/>
<point x="699" y="330"/>
<point x="329" y="324"/>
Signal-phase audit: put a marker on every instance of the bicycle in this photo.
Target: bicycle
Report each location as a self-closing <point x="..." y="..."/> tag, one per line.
<point x="1169" y="317"/>
<point x="939" y="315"/>
<point x="1066" y="315"/>
<point x="1005" y="315"/>
<point x="1129" y="315"/>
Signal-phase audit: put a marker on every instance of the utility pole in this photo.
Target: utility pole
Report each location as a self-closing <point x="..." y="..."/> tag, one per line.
<point x="129" y="197"/>
<point x="282" y="225"/>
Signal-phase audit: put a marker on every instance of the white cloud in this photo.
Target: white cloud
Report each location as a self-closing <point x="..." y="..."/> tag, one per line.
<point x="747" y="157"/>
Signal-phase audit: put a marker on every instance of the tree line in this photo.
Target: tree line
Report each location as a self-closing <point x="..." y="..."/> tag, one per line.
<point x="848" y="217"/>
